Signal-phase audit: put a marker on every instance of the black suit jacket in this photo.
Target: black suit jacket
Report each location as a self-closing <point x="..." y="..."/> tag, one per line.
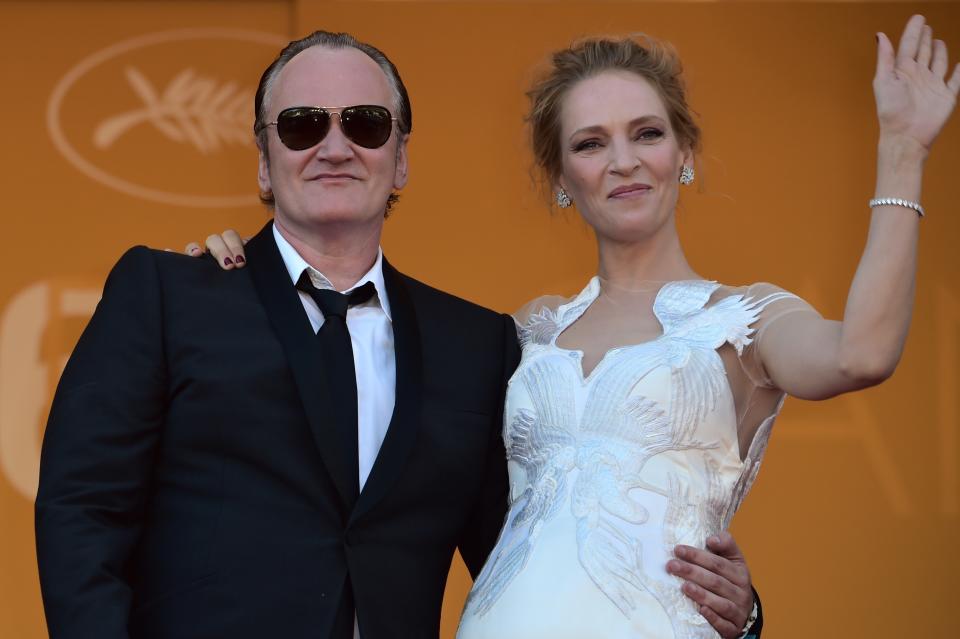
<point x="192" y="486"/>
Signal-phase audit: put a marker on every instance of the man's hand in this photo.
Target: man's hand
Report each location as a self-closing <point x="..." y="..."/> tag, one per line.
<point x="718" y="580"/>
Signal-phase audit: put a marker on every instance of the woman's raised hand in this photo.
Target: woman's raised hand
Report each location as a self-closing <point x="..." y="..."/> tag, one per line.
<point x="226" y="248"/>
<point x="914" y="96"/>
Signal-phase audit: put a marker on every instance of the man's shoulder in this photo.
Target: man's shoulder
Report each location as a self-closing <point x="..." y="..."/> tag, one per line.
<point x="141" y="266"/>
<point x="170" y="262"/>
<point x="432" y="299"/>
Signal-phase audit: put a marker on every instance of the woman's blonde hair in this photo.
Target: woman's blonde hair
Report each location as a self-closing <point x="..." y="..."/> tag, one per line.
<point x="654" y="61"/>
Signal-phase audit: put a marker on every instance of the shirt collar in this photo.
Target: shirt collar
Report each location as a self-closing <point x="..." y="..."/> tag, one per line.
<point x="296" y="265"/>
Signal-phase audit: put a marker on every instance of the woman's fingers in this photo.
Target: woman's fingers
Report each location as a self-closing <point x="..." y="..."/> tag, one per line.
<point x="910" y="40"/>
<point x="220" y="251"/>
<point x="939" y="63"/>
<point x="235" y="244"/>
<point x="885" y="59"/>
<point x="954" y="83"/>
<point x="925" y="51"/>
<point x="227" y="249"/>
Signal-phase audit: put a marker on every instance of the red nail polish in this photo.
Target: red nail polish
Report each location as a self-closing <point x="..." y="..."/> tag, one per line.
<point x="227" y="261"/>
<point x="240" y="259"/>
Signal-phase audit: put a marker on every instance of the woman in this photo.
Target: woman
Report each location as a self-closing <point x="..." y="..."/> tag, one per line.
<point x="639" y="414"/>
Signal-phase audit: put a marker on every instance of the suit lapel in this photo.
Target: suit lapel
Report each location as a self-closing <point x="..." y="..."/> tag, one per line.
<point x="285" y="311"/>
<point x="402" y="432"/>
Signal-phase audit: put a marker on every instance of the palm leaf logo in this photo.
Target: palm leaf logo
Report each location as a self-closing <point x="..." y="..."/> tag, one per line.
<point x="191" y="110"/>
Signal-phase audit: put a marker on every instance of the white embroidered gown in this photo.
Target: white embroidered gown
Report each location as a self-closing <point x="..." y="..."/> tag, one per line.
<point x="609" y="471"/>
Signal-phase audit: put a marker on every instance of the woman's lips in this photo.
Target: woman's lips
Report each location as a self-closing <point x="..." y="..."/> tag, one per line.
<point x="630" y="190"/>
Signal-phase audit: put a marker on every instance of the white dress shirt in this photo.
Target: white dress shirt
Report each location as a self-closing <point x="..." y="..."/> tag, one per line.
<point x="371" y="335"/>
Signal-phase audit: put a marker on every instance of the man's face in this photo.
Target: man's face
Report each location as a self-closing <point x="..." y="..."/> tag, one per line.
<point x="336" y="181"/>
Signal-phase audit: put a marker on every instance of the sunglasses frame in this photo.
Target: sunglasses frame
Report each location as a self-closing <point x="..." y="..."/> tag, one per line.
<point x="331" y="111"/>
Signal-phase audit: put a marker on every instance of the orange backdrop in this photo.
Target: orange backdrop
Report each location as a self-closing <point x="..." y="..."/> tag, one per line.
<point x="128" y="122"/>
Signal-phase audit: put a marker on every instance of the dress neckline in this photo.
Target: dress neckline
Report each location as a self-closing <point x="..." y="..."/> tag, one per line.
<point x="573" y="310"/>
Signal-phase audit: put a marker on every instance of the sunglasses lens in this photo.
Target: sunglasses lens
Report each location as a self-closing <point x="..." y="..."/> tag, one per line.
<point x="301" y="128"/>
<point x="368" y="126"/>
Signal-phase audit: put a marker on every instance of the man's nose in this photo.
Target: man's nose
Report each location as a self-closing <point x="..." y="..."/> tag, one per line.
<point x="335" y="146"/>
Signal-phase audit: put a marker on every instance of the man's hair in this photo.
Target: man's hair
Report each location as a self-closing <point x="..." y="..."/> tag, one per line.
<point x="261" y="102"/>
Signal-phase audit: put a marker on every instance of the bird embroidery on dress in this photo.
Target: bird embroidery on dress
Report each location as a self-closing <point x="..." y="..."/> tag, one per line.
<point x="599" y="459"/>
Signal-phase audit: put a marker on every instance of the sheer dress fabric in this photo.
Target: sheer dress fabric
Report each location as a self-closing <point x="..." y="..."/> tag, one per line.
<point x="636" y="420"/>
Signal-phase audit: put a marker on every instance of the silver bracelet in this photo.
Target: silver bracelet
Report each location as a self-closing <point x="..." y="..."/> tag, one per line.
<point x="895" y="201"/>
<point x="750" y="621"/>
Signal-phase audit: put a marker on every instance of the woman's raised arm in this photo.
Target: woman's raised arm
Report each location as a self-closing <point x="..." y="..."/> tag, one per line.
<point x="814" y="358"/>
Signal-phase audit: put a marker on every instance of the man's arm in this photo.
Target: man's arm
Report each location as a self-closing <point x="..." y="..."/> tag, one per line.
<point x="718" y="579"/>
<point x="480" y="533"/>
<point x="98" y="454"/>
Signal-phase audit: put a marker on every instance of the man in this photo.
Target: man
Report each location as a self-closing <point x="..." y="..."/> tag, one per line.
<point x="251" y="454"/>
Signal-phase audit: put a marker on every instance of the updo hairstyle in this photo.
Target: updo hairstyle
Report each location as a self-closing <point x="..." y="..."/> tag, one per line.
<point x="653" y="61"/>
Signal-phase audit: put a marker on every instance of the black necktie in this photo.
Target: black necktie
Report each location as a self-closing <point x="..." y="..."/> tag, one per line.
<point x="334" y="340"/>
<point x="335" y="304"/>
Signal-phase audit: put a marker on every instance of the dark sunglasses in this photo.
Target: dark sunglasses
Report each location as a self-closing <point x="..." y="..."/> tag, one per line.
<point x="300" y="128"/>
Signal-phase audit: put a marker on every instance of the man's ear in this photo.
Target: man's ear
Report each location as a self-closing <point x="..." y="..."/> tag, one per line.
<point x="263" y="173"/>
<point x="400" y="175"/>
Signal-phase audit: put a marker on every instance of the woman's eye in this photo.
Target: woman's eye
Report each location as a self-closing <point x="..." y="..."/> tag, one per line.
<point x="649" y="134"/>
<point x="586" y="145"/>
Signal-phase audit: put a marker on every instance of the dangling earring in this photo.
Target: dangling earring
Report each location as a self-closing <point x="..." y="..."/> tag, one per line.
<point x="686" y="176"/>
<point x="563" y="200"/>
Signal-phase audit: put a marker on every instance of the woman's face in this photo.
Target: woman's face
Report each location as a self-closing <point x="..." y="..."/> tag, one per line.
<point x="621" y="158"/>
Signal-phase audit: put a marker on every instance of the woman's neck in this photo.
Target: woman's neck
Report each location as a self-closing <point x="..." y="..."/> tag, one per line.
<point x="636" y="265"/>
